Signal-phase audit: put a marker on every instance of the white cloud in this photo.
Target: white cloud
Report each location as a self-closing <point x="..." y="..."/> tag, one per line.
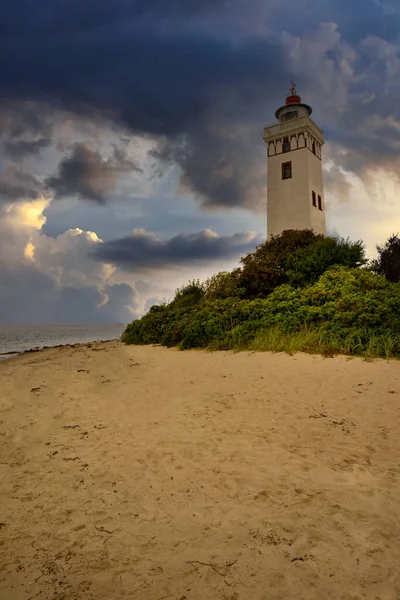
<point x="44" y="279"/>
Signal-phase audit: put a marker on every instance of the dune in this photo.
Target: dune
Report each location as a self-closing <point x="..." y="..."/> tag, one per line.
<point x="148" y="473"/>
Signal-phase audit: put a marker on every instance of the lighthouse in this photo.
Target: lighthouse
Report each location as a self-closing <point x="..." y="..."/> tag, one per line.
<point x="295" y="183"/>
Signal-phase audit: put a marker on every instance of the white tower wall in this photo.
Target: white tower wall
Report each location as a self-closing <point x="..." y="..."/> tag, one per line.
<point x="296" y="193"/>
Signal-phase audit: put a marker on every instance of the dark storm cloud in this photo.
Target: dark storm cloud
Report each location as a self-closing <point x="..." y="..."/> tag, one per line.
<point x="17" y="149"/>
<point x="15" y="184"/>
<point x="155" y="77"/>
<point x="73" y="15"/>
<point x="356" y="19"/>
<point x="86" y="174"/>
<point x="143" y="251"/>
<point x="25" y="129"/>
<point x="201" y="76"/>
<point x="154" y="80"/>
<point x="24" y="117"/>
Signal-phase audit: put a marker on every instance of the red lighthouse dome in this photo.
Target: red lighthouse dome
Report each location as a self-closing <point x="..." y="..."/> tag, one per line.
<point x="296" y="106"/>
<point x="293" y="99"/>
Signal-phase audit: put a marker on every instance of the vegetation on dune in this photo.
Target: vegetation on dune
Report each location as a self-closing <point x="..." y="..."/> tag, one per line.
<point x="297" y="292"/>
<point x="298" y="258"/>
<point x="388" y="261"/>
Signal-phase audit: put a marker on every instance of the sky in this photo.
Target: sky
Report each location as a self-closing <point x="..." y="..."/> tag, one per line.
<point x="131" y="150"/>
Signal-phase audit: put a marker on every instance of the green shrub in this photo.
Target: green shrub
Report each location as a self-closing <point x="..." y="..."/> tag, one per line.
<point x="222" y="285"/>
<point x="189" y="294"/>
<point x="265" y="269"/>
<point x="306" y="265"/>
<point x="388" y="261"/>
<point x="298" y="291"/>
<point x="148" y="329"/>
<point x="295" y="257"/>
<point x="351" y="311"/>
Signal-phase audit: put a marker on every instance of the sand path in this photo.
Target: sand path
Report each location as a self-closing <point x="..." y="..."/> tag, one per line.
<point x="148" y="473"/>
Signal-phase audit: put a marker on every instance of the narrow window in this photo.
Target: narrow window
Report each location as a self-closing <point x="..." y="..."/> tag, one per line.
<point x="313" y="148"/>
<point x="314" y="199"/>
<point x="286" y="145"/>
<point x="286" y="170"/>
<point x="319" y="202"/>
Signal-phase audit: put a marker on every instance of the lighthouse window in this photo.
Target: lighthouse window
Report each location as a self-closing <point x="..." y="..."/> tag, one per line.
<point x="319" y="202"/>
<point x="286" y="170"/>
<point x="314" y="199"/>
<point x="286" y="145"/>
<point x="290" y="115"/>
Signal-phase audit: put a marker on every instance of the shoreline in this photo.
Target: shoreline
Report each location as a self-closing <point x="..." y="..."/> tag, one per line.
<point x="16" y="353"/>
<point x="6" y="356"/>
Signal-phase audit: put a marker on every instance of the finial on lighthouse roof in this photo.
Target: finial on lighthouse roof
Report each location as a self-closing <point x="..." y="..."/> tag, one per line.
<point x="292" y="97"/>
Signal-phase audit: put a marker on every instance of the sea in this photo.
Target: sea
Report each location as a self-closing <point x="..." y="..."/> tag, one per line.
<point x="18" y="338"/>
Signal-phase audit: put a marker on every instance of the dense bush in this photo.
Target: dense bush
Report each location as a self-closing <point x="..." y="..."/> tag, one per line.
<point x="298" y="291"/>
<point x="306" y="265"/>
<point x="388" y="261"/>
<point x="295" y="257"/>
<point x="223" y="285"/>
<point x="265" y="269"/>
<point x="189" y="294"/>
<point x="348" y="310"/>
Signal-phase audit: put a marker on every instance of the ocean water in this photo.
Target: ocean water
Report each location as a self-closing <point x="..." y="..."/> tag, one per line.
<point x="17" y="338"/>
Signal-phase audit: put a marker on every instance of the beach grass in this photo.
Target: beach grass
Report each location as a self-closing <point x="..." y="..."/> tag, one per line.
<point x="316" y="341"/>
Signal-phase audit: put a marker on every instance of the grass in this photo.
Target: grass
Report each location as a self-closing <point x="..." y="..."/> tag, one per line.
<point x="314" y="341"/>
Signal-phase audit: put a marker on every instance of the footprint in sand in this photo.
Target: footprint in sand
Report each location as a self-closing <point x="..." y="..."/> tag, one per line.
<point x="263" y="496"/>
<point x="302" y="558"/>
<point x="104" y="520"/>
<point x="270" y="538"/>
<point x="156" y="571"/>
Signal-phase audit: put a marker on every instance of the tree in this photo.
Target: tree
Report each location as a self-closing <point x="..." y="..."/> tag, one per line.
<point x="265" y="269"/>
<point x="388" y="261"/>
<point x="306" y="265"/>
<point x="296" y="257"/>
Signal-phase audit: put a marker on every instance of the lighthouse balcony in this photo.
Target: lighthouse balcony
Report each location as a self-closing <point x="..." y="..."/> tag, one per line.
<point x="294" y="125"/>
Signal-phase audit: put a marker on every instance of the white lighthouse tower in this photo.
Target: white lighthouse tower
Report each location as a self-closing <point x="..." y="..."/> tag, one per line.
<point x="295" y="185"/>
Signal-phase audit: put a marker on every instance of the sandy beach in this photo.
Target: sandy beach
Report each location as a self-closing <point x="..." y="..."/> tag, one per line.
<point x="146" y="473"/>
